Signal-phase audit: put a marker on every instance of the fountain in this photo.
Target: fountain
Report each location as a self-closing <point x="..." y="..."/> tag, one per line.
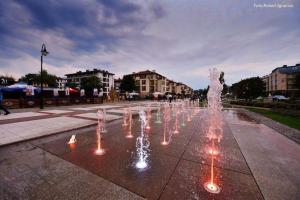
<point x="99" y="129"/>
<point x="149" y="110"/>
<point x="158" y="114"/>
<point x="176" y="131"/>
<point x="173" y="109"/>
<point x="72" y="140"/>
<point x="183" y="114"/>
<point x="142" y="144"/>
<point x="104" y="130"/>
<point x="167" y="118"/>
<point x="148" y="116"/>
<point x="188" y="114"/>
<point x="215" y="130"/>
<point x="125" y="116"/>
<point x="129" y="123"/>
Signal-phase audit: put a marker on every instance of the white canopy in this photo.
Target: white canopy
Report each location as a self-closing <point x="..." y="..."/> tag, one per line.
<point x="133" y="93"/>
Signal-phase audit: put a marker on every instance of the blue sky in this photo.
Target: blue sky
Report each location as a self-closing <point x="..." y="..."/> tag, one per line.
<point x="179" y="39"/>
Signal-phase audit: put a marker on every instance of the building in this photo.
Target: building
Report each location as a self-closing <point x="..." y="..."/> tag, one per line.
<point x="106" y="78"/>
<point x="282" y="80"/>
<point x="61" y="83"/>
<point x="149" y="82"/>
<point x="117" y="85"/>
<point x="181" y="88"/>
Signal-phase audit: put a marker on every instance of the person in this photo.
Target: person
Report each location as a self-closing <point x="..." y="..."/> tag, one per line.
<point x="170" y="98"/>
<point x="1" y="106"/>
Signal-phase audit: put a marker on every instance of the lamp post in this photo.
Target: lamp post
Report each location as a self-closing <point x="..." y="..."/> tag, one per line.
<point x="44" y="52"/>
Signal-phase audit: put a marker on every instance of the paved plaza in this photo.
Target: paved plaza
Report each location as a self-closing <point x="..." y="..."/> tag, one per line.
<point x="26" y="125"/>
<point x="255" y="161"/>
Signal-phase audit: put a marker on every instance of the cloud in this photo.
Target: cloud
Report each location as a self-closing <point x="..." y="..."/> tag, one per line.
<point x="179" y="39"/>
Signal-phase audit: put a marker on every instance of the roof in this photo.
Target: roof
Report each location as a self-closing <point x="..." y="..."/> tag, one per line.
<point x="288" y="69"/>
<point x="118" y="80"/>
<point x="91" y="71"/>
<point x="146" y="72"/>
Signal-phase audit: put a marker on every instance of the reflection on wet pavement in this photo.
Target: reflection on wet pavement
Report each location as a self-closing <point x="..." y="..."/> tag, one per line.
<point x="248" y="155"/>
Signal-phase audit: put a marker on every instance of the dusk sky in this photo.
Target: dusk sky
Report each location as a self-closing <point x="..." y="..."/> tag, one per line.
<point x="178" y="39"/>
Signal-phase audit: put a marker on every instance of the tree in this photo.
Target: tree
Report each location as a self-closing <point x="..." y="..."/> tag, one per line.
<point x="128" y="84"/>
<point x="71" y="85"/>
<point x="48" y="79"/>
<point x="222" y="81"/>
<point x="30" y="79"/>
<point x="89" y="83"/>
<point x="6" y="80"/>
<point x="249" y="88"/>
<point x="35" y="79"/>
<point x="221" y="78"/>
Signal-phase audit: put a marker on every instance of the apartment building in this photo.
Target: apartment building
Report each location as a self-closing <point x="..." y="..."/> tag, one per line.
<point x="149" y="82"/>
<point x="106" y="78"/>
<point x="181" y="88"/>
<point x="61" y="83"/>
<point x="282" y="80"/>
<point x="117" y="85"/>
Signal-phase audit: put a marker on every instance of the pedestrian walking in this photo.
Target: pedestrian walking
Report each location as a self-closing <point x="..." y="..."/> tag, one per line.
<point x="1" y="106"/>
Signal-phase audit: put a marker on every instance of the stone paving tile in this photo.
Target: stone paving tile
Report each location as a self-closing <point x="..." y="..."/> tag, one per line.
<point x="274" y="160"/>
<point x="120" y="111"/>
<point x="21" y="115"/>
<point x="229" y="157"/>
<point x="289" y="132"/>
<point x="117" y="164"/>
<point x="14" y="132"/>
<point x="109" y="117"/>
<point x="56" y="111"/>
<point x="189" y="177"/>
<point x="176" y="171"/>
<point x="27" y="172"/>
<point x="83" y="109"/>
<point x="107" y="106"/>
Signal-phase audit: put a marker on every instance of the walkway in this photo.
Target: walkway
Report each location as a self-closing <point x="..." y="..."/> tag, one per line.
<point x="21" y="126"/>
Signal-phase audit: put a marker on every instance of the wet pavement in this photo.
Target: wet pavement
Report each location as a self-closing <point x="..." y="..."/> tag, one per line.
<point x="49" y="168"/>
<point x="273" y="159"/>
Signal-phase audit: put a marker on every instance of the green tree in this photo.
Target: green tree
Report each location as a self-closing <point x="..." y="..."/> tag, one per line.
<point x="48" y="79"/>
<point x="6" y="80"/>
<point x="30" y="79"/>
<point x="249" y="88"/>
<point x="222" y="81"/>
<point x="71" y="85"/>
<point x="35" y="79"/>
<point x="128" y="84"/>
<point x="221" y="78"/>
<point x="89" y="83"/>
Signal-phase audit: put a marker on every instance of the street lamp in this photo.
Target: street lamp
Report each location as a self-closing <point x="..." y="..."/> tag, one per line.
<point x="44" y="52"/>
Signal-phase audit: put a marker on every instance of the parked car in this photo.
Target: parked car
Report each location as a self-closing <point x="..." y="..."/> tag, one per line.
<point x="280" y="98"/>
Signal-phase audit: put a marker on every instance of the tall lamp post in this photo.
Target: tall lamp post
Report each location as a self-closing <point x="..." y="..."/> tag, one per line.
<point x="44" y="52"/>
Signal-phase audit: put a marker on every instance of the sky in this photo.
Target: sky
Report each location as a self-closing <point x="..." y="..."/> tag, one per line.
<point x="181" y="40"/>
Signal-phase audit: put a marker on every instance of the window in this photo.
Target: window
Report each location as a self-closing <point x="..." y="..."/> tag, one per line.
<point x="151" y="88"/>
<point x="143" y="82"/>
<point x="143" y="88"/>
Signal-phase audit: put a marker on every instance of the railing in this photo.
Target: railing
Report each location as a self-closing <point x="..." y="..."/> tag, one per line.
<point x="61" y="101"/>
